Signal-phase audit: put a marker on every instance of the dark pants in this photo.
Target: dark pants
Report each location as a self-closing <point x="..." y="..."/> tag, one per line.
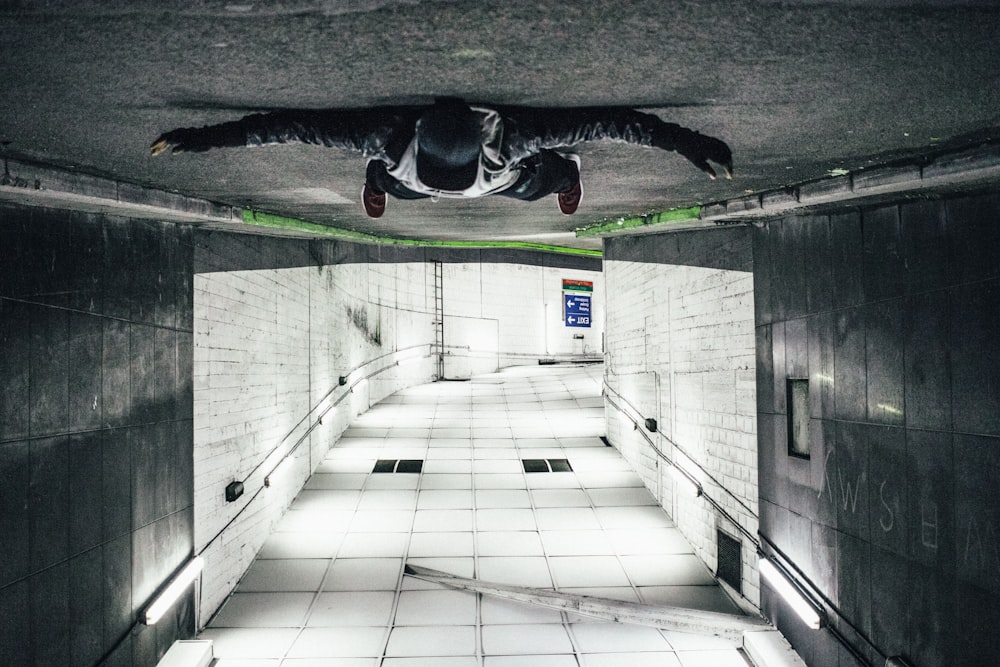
<point x="538" y="176"/>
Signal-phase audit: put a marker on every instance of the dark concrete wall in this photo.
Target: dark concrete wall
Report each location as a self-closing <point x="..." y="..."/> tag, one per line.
<point x="712" y="248"/>
<point x="893" y="313"/>
<point x="96" y="497"/>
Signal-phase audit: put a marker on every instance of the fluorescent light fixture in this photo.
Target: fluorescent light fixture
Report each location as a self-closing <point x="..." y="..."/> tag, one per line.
<point x="689" y="484"/>
<point x="805" y="609"/>
<point x="166" y="599"/>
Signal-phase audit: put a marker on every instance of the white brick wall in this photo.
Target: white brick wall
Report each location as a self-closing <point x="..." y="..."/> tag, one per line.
<point x="269" y="348"/>
<point x="680" y="348"/>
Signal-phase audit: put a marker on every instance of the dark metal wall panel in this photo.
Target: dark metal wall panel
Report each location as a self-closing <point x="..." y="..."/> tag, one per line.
<point x="96" y="442"/>
<point x="895" y="516"/>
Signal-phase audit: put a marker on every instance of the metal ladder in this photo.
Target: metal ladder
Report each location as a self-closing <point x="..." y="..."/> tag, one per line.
<point x="439" y="318"/>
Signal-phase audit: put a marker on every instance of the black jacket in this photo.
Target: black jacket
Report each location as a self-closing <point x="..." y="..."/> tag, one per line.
<point x="385" y="132"/>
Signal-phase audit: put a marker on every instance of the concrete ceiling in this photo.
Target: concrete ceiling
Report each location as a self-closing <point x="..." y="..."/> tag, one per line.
<point x="796" y="88"/>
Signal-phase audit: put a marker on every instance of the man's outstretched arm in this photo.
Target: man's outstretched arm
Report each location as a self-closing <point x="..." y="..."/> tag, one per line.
<point x="528" y="129"/>
<point x="368" y="131"/>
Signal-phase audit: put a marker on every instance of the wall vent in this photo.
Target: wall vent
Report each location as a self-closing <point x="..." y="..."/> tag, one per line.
<point x="730" y="560"/>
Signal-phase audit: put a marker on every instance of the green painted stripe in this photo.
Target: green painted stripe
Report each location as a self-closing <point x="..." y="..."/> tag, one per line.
<point x="663" y="217"/>
<point x="251" y="217"/>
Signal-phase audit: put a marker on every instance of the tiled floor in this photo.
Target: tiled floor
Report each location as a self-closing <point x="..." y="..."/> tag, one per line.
<point x="327" y="589"/>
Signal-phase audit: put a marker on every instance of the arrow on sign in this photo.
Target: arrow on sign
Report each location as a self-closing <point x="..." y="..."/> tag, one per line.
<point x="570" y="319"/>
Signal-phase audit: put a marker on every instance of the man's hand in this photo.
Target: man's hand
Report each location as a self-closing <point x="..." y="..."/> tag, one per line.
<point x="183" y="140"/>
<point x="699" y="149"/>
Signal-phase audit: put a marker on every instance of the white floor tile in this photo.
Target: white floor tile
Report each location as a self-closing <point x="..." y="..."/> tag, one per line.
<point x="353" y="642"/>
<point x="363" y="574"/>
<point x="634" y="517"/>
<point x="505" y="519"/>
<point x="621" y="497"/>
<point x="430" y="521"/>
<point x="631" y="659"/>
<point x="560" y="498"/>
<point x="534" y="639"/>
<point x="263" y="610"/>
<point x="533" y="443"/>
<point x="436" y="661"/>
<point x="329" y="662"/>
<point x="515" y="570"/>
<point x="707" y="598"/>
<point x="498" y="611"/>
<point x="301" y="545"/>
<point x="567" y="518"/>
<point x="326" y="500"/>
<point x="554" y="480"/>
<point x="509" y="543"/>
<point x="292" y="574"/>
<point x="600" y="465"/>
<point x="530" y="661"/>
<point x="445" y="481"/>
<point x="436" y="607"/>
<point x="721" y="658"/>
<point x="598" y="480"/>
<point x="497" y="466"/>
<point x="494" y="453"/>
<point x="667" y="570"/>
<point x="640" y="542"/>
<point x="504" y="441"/>
<point x="374" y="545"/>
<point x="448" y="466"/>
<point x="382" y="521"/>
<point x="617" y="637"/>
<point x="502" y="498"/>
<point x="341" y="481"/>
<point x="501" y="481"/>
<point x="576" y="543"/>
<point x="315" y="522"/>
<point x="440" y="544"/>
<point x="432" y="641"/>
<point x="502" y="433"/>
<point x="250" y="642"/>
<point x="579" y="571"/>
<point x="247" y="662"/>
<point x="456" y="499"/>
<point x="351" y="466"/>
<point x="395" y="499"/>
<point x="352" y="608"/>
<point x="395" y="481"/>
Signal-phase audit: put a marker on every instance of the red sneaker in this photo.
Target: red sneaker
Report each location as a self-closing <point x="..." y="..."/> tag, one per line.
<point x="373" y="201"/>
<point x="569" y="200"/>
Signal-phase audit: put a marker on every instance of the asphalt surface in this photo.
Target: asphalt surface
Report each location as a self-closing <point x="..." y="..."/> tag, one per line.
<point x="797" y="89"/>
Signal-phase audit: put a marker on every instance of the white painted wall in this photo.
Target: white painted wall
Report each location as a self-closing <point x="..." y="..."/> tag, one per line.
<point x="500" y="315"/>
<point x="680" y="348"/>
